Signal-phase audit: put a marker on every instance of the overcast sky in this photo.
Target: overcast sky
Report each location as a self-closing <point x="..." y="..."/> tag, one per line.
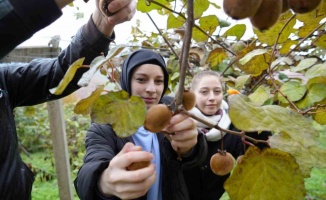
<point x="68" y="24"/>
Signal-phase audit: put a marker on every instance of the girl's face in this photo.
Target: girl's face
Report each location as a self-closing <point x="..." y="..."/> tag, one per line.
<point x="147" y="81"/>
<point x="209" y="94"/>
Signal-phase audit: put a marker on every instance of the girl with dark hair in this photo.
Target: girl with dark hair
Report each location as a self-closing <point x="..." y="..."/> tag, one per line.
<point x="104" y="174"/>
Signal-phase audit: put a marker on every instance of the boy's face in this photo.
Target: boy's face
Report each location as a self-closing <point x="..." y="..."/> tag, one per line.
<point x="147" y="82"/>
<point x="209" y="94"/>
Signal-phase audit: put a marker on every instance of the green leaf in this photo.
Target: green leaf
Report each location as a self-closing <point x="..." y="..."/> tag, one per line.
<point x="125" y="114"/>
<point x="306" y="156"/>
<point x="316" y="93"/>
<point x="283" y="77"/>
<point x="247" y="116"/>
<point x="316" y="70"/>
<point x="260" y="172"/>
<point x="255" y="62"/>
<point x="237" y="30"/>
<point x="320" y="114"/>
<point x="209" y="24"/>
<point x="321" y="42"/>
<point x="175" y="22"/>
<point x="293" y="90"/>
<point x="216" y="56"/>
<point x="200" y="6"/>
<point x="304" y="64"/>
<point x="251" y="54"/>
<point x="286" y="46"/>
<point x="241" y="81"/>
<point x="147" y="6"/>
<point x="261" y="95"/>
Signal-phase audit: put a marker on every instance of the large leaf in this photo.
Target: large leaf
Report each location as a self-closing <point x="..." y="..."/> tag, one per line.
<point x="147" y="6"/>
<point x="316" y="70"/>
<point x="247" y="116"/>
<point x="260" y="172"/>
<point x="306" y="157"/>
<point x="316" y="93"/>
<point x="304" y="64"/>
<point x="84" y="106"/>
<point x="175" y="22"/>
<point x="255" y="62"/>
<point x="216" y="56"/>
<point x="320" y="114"/>
<point x="209" y="24"/>
<point x="261" y="95"/>
<point x="293" y="90"/>
<point x="125" y="114"/>
<point x="200" y="6"/>
<point x="237" y="30"/>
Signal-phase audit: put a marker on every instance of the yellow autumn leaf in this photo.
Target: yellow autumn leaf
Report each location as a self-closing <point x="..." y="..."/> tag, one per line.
<point x="68" y="77"/>
<point x="216" y="56"/>
<point x="125" y="113"/>
<point x="84" y="106"/>
<point x="306" y="156"/>
<point x="260" y="172"/>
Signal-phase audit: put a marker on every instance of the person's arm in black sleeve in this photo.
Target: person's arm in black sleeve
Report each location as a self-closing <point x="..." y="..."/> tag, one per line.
<point x="29" y="83"/>
<point x="20" y="19"/>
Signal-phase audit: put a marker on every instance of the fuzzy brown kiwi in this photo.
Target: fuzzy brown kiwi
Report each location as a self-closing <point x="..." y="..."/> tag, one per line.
<point x="267" y="14"/>
<point x="240" y="9"/>
<point x="138" y="165"/>
<point x="103" y="5"/>
<point x="285" y="6"/>
<point x="157" y="118"/>
<point x="222" y="163"/>
<point x="303" y="6"/>
<point x="188" y="99"/>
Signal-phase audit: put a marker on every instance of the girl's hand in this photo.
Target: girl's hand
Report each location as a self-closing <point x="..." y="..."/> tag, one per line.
<point x="117" y="181"/>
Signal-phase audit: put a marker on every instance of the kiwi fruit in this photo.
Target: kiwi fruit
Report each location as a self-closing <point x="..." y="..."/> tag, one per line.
<point x="103" y="5"/>
<point x="138" y="165"/>
<point x="222" y="163"/>
<point x="157" y="118"/>
<point x="188" y="99"/>
<point x="285" y="6"/>
<point x="241" y="9"/>
<point x="303" y="6"/>
<point x="267" y="14"/>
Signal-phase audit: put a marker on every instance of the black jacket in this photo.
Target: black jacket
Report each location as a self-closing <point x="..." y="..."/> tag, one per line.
<point x="20" y="19"/>
<point x="23" y="84"/>
<point x="102" y="144"/>
<point x="202" y="183"/>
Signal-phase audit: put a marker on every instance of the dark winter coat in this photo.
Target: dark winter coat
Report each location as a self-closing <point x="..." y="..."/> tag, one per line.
<point x="202" y="183"/>
<point x="20" y="19"/>
<point x="102" y="144"/>
<point x="24" y="84"/>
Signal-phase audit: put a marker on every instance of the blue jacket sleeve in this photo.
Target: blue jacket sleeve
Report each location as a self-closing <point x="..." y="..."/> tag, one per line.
<point x="20" y="19"/>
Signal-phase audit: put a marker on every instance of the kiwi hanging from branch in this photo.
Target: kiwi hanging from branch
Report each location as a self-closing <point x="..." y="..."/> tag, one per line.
<point x="267" y="14"/>
<point x="303" y="6"/>
<point x="240" y="9"/>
